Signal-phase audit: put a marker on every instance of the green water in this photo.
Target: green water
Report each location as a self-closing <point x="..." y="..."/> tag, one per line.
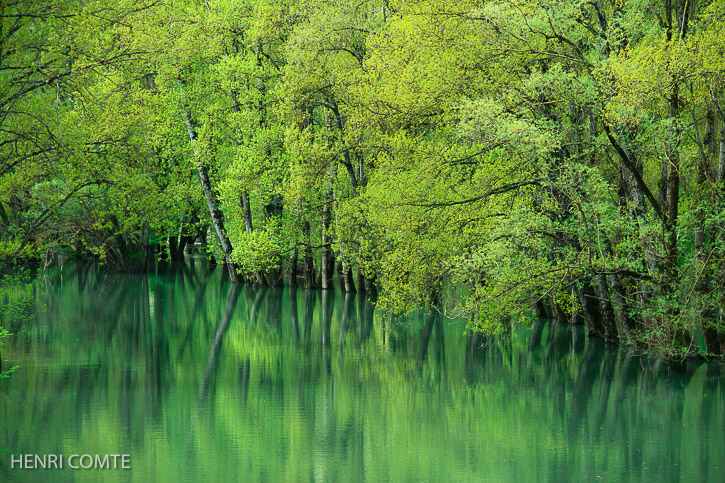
<point x="200" y="381"/>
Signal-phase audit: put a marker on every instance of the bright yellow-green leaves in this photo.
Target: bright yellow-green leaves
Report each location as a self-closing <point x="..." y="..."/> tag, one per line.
<point x="517" y="150"/>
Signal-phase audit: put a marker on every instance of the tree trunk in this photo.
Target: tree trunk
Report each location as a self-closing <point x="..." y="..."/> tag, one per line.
<point x="327" y="264"/>
<point x="590" y="310"/>
<point x="705" y="281"/>
<point x="608" y="319"/>
<point x="346" y="279"/>
<point x="172" y="243"/>
<point x="360" y="281"/>
<point x="309" y="263"/>
<point x="247" y="210"/>
<point x="673" y="189"/>
<point x="145" y="249"/>
<point x="185" y="235"/>
<point x="4" y="216"/>
<point x="370" y="287"/>
<point x="293" y="269"/>
<point x="210" y="195"/>
<point x="218" y="223"/>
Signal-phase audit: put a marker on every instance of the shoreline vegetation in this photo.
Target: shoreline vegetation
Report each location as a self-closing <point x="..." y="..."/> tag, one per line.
<point x="559" y="162"/>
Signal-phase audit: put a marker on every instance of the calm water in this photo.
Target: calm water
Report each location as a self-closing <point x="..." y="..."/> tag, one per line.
<point x="201" y="381"/>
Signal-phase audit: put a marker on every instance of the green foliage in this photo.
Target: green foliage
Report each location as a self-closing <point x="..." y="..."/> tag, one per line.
<point x="17" y="304"/>
<point x="568" y="158"/>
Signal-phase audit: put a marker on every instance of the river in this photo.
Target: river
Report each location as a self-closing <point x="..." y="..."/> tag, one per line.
<point x="198" y="380"/>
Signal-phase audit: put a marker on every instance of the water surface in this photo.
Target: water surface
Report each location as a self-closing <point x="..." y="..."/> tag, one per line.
<point x="199" y="380"/>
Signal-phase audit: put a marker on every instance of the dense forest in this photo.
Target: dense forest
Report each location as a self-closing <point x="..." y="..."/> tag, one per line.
<point x="498" y="160"/>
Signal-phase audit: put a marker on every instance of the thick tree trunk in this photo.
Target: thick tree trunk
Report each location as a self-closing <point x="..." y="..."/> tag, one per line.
<point x="172" y="243"/>
<point x="360" y="281"/>
<point x="346" y="278"/>
<point x="590" y="310"/>
<point x="608" y="319"/>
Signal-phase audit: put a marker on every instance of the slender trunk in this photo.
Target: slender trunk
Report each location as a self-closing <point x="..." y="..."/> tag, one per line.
<point x="185" y="235"/>
<point x="624" y="321"/>
<point x="218" y="223"/>
<point x="274" y="210"/>
<point x="145" y="249"/>
<point x="618" y="300"/>
<point x="309" y="264"/>
<point x="721" y="158"/>
<point x="210" y="195"/>
<point x="247" y="210"/>
<point x="202" y="234"/>
<point x="4" y="215"/>
<point x="673" y="190"/>
<point x="672" y="161"/>
<point x="327" y="264"/>
<point x="721" y="202"/>
<point x="293" y="269"/>
<point x="705" y="282"/>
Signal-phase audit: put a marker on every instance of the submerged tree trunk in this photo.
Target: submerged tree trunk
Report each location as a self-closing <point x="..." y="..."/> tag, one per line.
<point x="360" y="281"/>
<point x="346" y="279"/>
<point x="172" y="243"/>
<point x="608" y="320"/>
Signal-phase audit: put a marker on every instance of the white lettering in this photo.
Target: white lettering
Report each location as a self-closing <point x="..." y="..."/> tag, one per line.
<point x="75" y="461"/>
<point x="87" y="458"/>
<point x="53" y="461"/>
<point x="101" y="463"/>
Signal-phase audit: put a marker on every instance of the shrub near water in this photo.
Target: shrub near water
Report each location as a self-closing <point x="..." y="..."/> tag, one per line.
<point x="16" y="305"/>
